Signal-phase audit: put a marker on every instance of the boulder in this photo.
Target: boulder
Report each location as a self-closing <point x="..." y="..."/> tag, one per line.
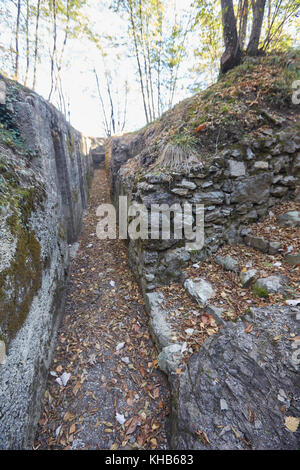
<point x="253" y="189"/>
<point x="200" y="290"/>
<point x="272" y="284"/>
<point x="293" y="259"/>
<point x="228" y="263"/>
<point x="259" y="243"/>
<point x="289" y="219"/>
<point x="237" y="168"/>
<point x="240" y="389"/>
<point x="248" y="277"/>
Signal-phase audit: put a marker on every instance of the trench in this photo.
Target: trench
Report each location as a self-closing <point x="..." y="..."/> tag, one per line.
<point x="115" y="396"/>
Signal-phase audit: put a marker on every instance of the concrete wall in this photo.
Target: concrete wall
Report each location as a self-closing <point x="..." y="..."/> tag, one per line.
<point x="45" y="173"/>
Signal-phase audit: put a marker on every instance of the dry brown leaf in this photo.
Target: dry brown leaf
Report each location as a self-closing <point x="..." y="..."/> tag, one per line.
<point x="292" y="423"/>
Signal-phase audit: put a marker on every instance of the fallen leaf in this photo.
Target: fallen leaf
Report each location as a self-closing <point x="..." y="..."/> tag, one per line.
<point x="292" y="423"/>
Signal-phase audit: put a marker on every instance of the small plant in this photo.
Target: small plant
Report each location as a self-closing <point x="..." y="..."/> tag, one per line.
<point x="259" y="292"/>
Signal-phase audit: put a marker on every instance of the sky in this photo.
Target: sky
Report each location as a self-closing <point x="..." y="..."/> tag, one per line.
<point x="81" y="57"/>
<point x="79" y="81"/>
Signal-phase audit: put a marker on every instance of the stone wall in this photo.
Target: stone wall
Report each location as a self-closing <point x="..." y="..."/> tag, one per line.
<point x="45" y="173"/>
<point x="237" y="185"/>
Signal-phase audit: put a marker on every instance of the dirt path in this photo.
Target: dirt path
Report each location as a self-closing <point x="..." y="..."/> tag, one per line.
<point x="109" y="382"/>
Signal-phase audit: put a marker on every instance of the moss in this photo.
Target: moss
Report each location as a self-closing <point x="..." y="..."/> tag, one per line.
<point x="10" y="135"/>
<point x="75" y="196"/>
<point x="62" y="232"/>
<point x="22" y="280"/>
<point x="70" y="143"/>
<point x="259" y="292"/>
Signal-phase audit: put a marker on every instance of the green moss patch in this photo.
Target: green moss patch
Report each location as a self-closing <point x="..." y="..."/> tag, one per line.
<point x="20" y="195"/>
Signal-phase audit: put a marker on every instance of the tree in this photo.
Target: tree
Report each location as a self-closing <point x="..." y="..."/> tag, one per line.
<point x="17" y="39"/>
<point x="232" y="54"/>
<point x="258" y="9"/>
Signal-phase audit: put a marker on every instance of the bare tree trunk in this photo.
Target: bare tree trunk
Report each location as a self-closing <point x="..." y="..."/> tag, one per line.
<point x="60" y="61"/>
<point x="112" y="108"/>
<point x="125" y="107"/>
<point x="27" y="43"/>
<point x="258" y="7"/>
<point x="142" y="36"/>
<point x="243" y="23"/>
<point x="232" y="55"/>
<point x="54" y="48"/>
<point x="36" y="43"/>
<point x="107" y="129"/>
<point x="138" y="58"/>
<point x="17" y="39"/>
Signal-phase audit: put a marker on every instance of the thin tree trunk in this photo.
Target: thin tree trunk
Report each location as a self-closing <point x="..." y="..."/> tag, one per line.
<point x="112" y="109"/>
<point x="125" y="107"/>
<point x="258" y="7"/>
<point x="107" y="129"/>
<point x="17" y="40"/>
<point x="59" y="67"/>
<point x="142" y="35"/>
<point x="138" y="59"/>
<point x="54" y="48"/>
<point x="36" y="43"/>
<point x="243" y="23"/>
<point x="27" y="43"/>
<point x="232" y="55"/>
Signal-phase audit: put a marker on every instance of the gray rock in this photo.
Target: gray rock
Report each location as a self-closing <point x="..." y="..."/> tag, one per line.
<point x="227" y="262"/>
<point x="293" y="259"/>
<point x="237" y="168"/>
<point x="248" y="277"/>
<point x="255" y="189"/>
<point x="272" y="284"/>
<point x="289" y="219"/>
<point x="261" y="165"/>
<point x="169" y="358"/>
<point x="154" y="178"/>
<point x="250" y="154"/>
<point x="214" y="197"/>
<point x="274" y="247"/>
<point x="217" y="313"/>
<point x="259" y="243"/>
<point x="223" y="404"/>
<point x="187" y="184"/>
<point x="200" y="290"/>
<point x="246" y="372"/>
<point x="161" y="330"/>
<point x="279" y="191"/>
<point x="180" y="191"/>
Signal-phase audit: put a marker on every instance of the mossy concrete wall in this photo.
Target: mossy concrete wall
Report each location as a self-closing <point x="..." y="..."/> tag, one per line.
<point x="45" y="172"/>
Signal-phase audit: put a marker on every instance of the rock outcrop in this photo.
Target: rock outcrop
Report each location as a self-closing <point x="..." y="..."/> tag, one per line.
<point x="241" y="389"/>
<point x="45" y="173"/>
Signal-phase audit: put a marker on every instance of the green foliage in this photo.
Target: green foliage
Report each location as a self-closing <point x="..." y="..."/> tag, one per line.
<point x="259" y="292"/>
<point x="9" y="133"/>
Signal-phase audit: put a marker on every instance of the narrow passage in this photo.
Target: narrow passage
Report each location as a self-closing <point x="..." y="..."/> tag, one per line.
<point x="115" y="397"/>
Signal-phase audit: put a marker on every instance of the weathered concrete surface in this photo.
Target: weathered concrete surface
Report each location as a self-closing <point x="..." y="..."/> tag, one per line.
<point x="45" y="172"/>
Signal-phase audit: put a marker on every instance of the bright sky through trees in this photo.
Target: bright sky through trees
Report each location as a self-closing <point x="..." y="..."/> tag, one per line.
<point x="114" y="64"/>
